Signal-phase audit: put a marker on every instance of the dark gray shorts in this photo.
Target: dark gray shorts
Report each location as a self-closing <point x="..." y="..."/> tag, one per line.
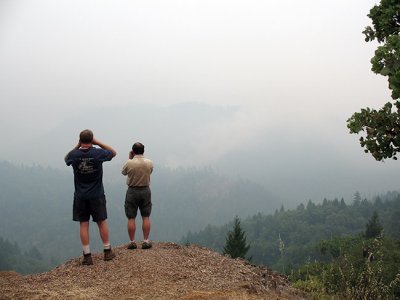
<point x="138" y="197"/>
<point x="84" y="208"/>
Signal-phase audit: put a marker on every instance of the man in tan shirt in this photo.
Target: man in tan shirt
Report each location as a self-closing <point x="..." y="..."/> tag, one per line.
<point x="138" y="196"/>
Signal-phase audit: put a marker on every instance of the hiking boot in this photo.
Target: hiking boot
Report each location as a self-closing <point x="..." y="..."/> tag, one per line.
<point x="108" y="254"/>
<point x="146" y="245"/>
<point x="87" y="259"/>
<point x="132" y="246"/>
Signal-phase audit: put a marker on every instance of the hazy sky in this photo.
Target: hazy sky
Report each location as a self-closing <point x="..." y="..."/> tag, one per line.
<point x="293" y="70"/>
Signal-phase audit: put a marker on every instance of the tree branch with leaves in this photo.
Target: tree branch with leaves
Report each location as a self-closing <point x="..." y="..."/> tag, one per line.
<point x="381" y="127"/>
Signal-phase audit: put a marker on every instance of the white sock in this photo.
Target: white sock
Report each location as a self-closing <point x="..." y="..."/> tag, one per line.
<point x="107" y="247"/>
<point x="86" y="249"/>
<point x="133" y="241"/>
<point x="145" y="241"/>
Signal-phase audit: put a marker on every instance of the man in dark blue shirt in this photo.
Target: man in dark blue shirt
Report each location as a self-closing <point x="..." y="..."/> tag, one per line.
<point x="89" y="199"/>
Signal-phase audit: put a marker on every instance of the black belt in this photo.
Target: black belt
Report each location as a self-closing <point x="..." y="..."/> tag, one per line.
<point x="139" y="187"/>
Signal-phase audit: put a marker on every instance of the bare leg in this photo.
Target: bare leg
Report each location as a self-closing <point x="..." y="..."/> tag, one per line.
<point x="131" y="229"/>
<point x="146" y="227"/>
<point x="103" y="229"/>
<point x="84" y="232"/>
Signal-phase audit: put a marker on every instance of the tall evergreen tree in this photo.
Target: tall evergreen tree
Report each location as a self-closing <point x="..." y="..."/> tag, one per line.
<point x="236" y="244"/>
<point x="357" y="198"/>
<point x="373" y="227"/>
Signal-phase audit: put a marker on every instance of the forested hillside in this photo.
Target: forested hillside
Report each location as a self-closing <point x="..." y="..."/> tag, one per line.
<point x="301" y="229"/>
<point x="36" y="206"/>
<point x="23" y="261"/>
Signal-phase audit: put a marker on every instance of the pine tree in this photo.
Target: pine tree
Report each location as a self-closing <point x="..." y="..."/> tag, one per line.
<point x="373" y="227"/>
<point x="357" y="199"/>
<point x="235" y="244"/>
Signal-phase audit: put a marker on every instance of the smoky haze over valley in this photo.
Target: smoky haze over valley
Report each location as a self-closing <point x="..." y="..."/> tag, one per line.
<point x="257" y="90"/>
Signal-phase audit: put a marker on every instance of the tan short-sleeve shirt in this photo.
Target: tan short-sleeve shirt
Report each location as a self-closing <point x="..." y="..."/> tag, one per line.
<point x="138" y="169"/>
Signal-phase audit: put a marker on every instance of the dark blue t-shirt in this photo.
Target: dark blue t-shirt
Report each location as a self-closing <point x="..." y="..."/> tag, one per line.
<point x="88" y="171"/>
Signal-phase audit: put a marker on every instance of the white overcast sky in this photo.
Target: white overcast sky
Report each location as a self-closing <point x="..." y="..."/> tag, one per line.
<point x="299" y="65"/>
<point x="55" y="55"/>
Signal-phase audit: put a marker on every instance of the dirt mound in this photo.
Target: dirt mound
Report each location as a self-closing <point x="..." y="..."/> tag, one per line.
<point x="167" y="271"/>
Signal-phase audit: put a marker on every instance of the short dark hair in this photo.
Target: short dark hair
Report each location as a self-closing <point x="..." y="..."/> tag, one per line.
<point x="86" y="136"/>
<point x="138" y="148"/>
